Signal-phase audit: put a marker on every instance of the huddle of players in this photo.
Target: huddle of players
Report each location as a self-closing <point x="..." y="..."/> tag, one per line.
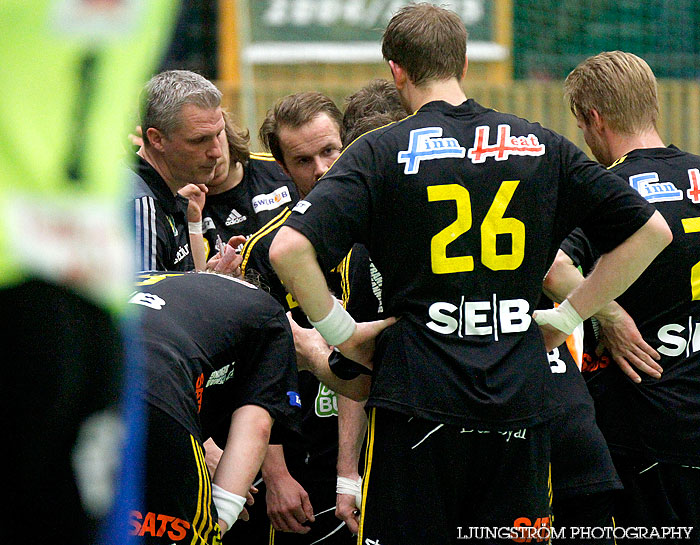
<point x="500" y="399"/>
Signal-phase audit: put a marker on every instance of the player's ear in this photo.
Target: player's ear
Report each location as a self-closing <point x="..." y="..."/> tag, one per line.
<point x="155" y="138"/>
<point x="595" y="120"/>
<point x="399" y="74"/>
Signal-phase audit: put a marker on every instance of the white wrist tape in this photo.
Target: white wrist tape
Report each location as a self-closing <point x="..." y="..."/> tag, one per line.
<point x="194" y="227"/>
<point x="350" y="487"/>
<point x="228" y="505"/>
<point x="564" y="317"/>
<point x="337" y="327"/>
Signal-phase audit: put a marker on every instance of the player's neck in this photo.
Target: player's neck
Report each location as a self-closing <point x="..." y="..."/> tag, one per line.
<point x="449" y="91"/>
<point x="235" y="177"/>
<point x="160" y="166"/>
<point x="622" y="144"/>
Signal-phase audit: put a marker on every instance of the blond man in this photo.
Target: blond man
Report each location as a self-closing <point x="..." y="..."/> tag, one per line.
<point x="650" y="420"/>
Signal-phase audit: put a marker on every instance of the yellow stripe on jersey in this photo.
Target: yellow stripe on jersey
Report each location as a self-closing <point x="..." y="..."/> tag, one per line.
<point x="620" y="160"/>
<point x="211" y="524"/>
<point x="374" y="129"/>
<point x="262" y="156"/>
<point x="271" y="541"/>
<point x="203" y="523"/>
<point x="369" y="131"/>
<point x="344" y="270"/>
<point x="270" y="226"/>
<point x="368" y="468"/>
<point x="198" y="514"/>
<point x="151" y="278"/>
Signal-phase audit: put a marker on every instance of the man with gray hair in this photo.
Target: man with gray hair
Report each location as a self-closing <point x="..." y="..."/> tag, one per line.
<point x="183" y="134"/>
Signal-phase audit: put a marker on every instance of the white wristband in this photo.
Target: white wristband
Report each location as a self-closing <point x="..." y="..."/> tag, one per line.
<point x="564" y="317"/>
<point x="337" y="327"/>
<point x="228" y="505"/>
<point x="350" y="487"/>
<point x="194" y="227"/>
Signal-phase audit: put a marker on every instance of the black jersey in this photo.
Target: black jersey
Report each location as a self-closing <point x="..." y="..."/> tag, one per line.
<point x="160" y="222"/>
<point x="462" y="209"/>
<point x="580" y="459"/>
<point x="264" y="191"/>
<point x="256" y="262"/>
<point x="659" y="418"/>
<point x="319" y="445"/>
<point x="213" y="344"/>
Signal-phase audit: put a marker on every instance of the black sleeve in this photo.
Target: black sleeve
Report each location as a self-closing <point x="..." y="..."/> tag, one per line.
<point x="345" y="368"/>
<point x="579" y="249"/>
<point x="272" y="382"/>
<point x="256" y="264"/>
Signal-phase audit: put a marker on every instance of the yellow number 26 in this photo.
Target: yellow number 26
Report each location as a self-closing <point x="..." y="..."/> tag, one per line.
<point x="494" y="224"/>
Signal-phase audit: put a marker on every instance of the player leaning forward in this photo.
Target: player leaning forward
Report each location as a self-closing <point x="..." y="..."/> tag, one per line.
<point x="223" y="368"/>
<point x="462" y="209"/>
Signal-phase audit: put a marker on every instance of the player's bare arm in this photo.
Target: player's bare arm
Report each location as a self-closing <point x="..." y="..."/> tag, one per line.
<point x="294" y="260"/>
<point x="619" y="332"/>
<point x="612" y="275"/>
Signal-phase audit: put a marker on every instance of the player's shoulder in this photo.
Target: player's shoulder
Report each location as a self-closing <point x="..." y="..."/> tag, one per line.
<point x="471" y="115"/>
<point x="651" y="159"/>
<point x="264" y="175"/>
<point x="264" y="165"/>
<point x="140" y="189"/>
<point x="211" y="289"/>
<point x="256" y="247"/>
<point x="138" y="186"/>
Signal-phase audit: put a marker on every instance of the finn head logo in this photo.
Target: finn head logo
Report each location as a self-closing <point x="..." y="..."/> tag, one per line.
<point x="654" y="190"/>
<point x="425" y="145"/>
<point x="505" y="146"/>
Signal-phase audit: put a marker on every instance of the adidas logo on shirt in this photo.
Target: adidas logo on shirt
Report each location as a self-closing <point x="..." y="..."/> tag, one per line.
<point x="234" y="217"/>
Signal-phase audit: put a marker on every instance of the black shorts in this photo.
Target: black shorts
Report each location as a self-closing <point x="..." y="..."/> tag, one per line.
<point x="434" y="484"/>
<point x="584" y="479"/>
<point x="658" y="495"/>
<point x="581" y="462"/>
<point x="178" y="505"/>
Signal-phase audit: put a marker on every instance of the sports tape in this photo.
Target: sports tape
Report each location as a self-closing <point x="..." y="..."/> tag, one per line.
<point x="564" y="317"/>
<point x="228" y="505"/>
<point x="350" y="487"/>
<point x="337" y="327"/>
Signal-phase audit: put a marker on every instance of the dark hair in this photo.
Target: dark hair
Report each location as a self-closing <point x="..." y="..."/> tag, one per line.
<point x="379" y="96"/>
<point x="294" y="111"/>
<point x="365" y="124"/>
<point x="238" y="141"/>
<point x="427" y="41"/>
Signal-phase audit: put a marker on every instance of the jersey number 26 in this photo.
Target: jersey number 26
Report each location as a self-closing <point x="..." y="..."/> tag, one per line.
<point x="494" y="224"/>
